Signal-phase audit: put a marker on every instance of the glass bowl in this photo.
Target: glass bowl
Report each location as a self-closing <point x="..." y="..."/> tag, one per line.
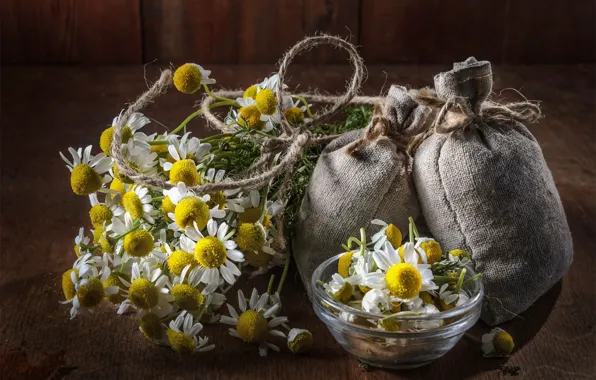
<point x="402" y="349"/>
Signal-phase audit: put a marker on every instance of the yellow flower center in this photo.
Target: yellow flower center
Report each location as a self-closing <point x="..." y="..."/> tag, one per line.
<point x="217" y="199"/>
<point x="404" y="280"/>
<point x="344" y="263"/>
<point x="185" y="171"/>
<point x="294" y="115"/>
<point x="252" y="327"/>
<point x="143" y="293"/>
<point x="167" y="206"/>
<point x="257" y="258"/>
<point x="187" y="78"/>
<point x="426" y="298"/>
<point x="433" y="251"/>
<point x="181" y="343"/>
<point x="118" y="186"/>
<point x="107" y="136"/>
<point x="250" y="237"/>
<point x="191" y="210"/>
<point x="266" y="102"/>
<point x="84" y="180"/>
<point x="302" y="343"/>
<point x="187" y="297"/>
<point x="99" y="214"/>
<point x="114" y="280"/>
<point x="178" y="260"/>
<point x="151" y="326"/>
<point x="459" y="253"/>
<point x="133" y="205"/>
<point x="90" y="295"/>
<point x="161" y="148"/>
<point x="345" y="293"/>
<point x="250" y="117"/>
<point x="503" y="343"/>
<point x="105" y="244"/>
<point x="67" y="285"/>
<point x="210" y="252"/>
<point x="138" y="243"/>
<point x="250" y="92"/>
<point x="250" y="215"/>
<point x="393" y="235"/>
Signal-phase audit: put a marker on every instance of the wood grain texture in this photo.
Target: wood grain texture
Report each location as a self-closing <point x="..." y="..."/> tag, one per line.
<point x="435" y="31"/>
<point x="40" y="217"/>
<point x="553" y="32"/>
<point x="235" y="31"/>
<point x="70" y="31"/>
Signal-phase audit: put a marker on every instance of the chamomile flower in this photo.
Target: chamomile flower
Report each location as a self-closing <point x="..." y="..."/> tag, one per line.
<point x="251" y="236"/>
<point x="140" y="158"/>
<point x="86" y="170"/>
<point x="447" y="297"/>
<point x="182" y="335"/>
<point x="190" y="209"/>
<point x="137" y="242"/>
<point x="102" y="213"/>
<point x="137" y="203"/>
<point x="404" y="280"/>
<point x="130" y="133"/>
<point x="341" y="288"/>
<point x="299" y="341"/>
<point x="187" y="292"/>
<point x="147" y="291"/>
<point x="89" y="291"/>
<point x="463" y="257"/>
<point x="253" y="324"/>
<point x="189" y="77"/>
<point x="186" y="148"/>
<point x="377" y="301"/>
<point x="431" y="248"/>
<point x="497" y="343"/>
<point x="81" y="242"/>
<point x="181" y="258"/>
<point x="216" y="253"/>
<point x="388" y="232"/>
<point x="182" y="169"/>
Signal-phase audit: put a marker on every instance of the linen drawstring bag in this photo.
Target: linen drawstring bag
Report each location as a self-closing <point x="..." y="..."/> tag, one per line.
<point x="360" y="176"/>
<point x="484" y="186"/>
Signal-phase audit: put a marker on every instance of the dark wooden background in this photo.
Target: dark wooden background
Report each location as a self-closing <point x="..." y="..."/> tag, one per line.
<point x="258" y="31"/>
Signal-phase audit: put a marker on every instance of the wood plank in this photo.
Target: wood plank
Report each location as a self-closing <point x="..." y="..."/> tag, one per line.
<point x="556" y="31"/>
<point x="437" y="31"/>
<point x="235" y="31"/>
<point x="70" y="31"/>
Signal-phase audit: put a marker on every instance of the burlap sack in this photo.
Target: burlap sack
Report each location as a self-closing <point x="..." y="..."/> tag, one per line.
<point x="485" y="187"/>
<point x="348" y="190"/>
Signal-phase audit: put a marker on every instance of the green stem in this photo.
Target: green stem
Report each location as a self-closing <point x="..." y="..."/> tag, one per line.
<point x="362" y="239"/>
<point x="414" y="229"/>
<point x="270" y="286"/>
<point x="283" y="275"/>
<point x="310" y="114"/>
<point x="411" y="233"/>
<point x="208" y="91"/>
<point x="460" y="281"/>
<point x="353" y="240"/>
<point x="473" y="278"/>
<point x="157" y="198"/>
<point x="286" y="327"/>
<point x="472" y="338"/>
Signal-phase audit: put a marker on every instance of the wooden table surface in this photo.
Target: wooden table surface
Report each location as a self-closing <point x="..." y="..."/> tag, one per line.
<point x="47" y="109"/>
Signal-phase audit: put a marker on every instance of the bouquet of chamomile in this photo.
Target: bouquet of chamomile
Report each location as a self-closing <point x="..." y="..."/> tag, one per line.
<point x="171" y="256"/>
<point x="390" y="278"/>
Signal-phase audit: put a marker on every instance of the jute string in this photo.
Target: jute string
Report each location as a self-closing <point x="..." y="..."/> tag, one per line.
<point x="291" y="144"/>
<point x="523" y="112"/>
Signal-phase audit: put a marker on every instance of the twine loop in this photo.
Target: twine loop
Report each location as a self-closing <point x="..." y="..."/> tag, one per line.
<point x="290" y="145"/>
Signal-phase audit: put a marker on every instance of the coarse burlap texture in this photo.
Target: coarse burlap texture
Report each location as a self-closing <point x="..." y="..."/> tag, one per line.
<point x="486" y="188"/>
<point x="347" y="191"/>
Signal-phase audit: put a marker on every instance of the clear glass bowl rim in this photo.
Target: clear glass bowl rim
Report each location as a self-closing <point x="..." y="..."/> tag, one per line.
<point x="319" y="295"/>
